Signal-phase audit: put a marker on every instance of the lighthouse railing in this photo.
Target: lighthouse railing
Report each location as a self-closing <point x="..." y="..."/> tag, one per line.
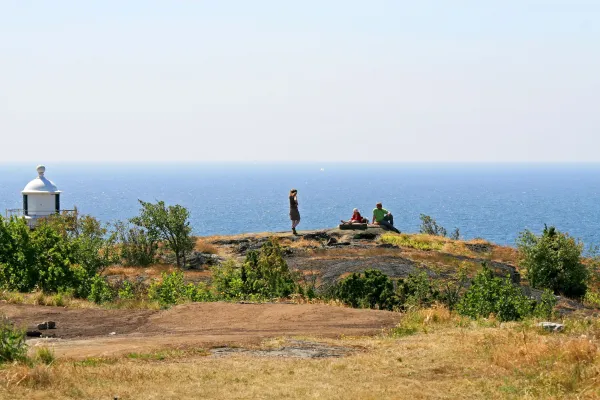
<point x="19" y="212"/>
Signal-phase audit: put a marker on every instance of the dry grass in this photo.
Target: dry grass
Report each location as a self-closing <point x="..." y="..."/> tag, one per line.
<point x="154" y="272"/>
<point x="204" y="246"/>
<point x="443" y="357"/>
<point x="505" y="254"/>
<point x="41" y="299"/>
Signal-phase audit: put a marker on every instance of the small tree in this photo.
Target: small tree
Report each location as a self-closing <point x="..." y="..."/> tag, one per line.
<point x="169" y="224"/>
<point x="137" y="247"/>
<point x="553" y="261"/>
<point x="266" y="273"/>
<point x="429" y="226"/>
<point x="489" y="294"/>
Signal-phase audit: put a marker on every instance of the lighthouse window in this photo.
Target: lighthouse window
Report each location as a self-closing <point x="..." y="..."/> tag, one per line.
<point x="25" y="211"/>
<point x="57" y="202"/>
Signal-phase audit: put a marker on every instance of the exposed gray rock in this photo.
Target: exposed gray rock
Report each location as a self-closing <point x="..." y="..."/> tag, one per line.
<point x="198" y="260"/>
<point x="551" y="326"/>
<point x="318" y="236"/>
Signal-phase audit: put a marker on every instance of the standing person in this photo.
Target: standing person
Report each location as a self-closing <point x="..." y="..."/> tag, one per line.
<point x="383" y="217"/>
<point x="294" y="213"/>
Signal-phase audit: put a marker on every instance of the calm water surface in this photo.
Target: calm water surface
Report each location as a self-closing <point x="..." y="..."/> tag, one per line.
<point x="491" y="201"/>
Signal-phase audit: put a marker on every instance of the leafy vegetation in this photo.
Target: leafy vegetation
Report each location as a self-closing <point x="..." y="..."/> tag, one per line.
<point x="491" y="295"/>
<point x="137" y="247"/>
<point x="553" y="261"/>
<point x="429" y="226"/>
<point x="169" y="224"/>
<point x="265" y="273"/>
<point x="58" y="256"/>
<point x="12" y="342"/>
<point x="372" y="289"/>
<point x="419" y="242"/>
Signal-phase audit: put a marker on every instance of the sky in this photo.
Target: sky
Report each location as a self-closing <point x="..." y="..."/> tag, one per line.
<point x="300" y="81"/>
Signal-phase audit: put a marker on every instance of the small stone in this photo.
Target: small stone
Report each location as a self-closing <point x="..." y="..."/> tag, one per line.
<point x="112" y="333"/>
<point x="42" y="326"/>
<point x="33" y="334"/>
<point x="51" y="324"/>
<point x="551" y="326"/>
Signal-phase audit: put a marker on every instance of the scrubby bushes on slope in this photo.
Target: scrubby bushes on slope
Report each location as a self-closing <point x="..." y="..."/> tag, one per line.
<point x="489" y="295"/>
<point x="54" y="257"/>
<point x="553" y="261"/>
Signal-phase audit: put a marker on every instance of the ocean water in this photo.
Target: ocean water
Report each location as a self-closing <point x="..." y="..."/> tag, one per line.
<point x="491" y="201"/>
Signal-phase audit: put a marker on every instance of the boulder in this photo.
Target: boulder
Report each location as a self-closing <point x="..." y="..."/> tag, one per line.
<point x="551" y="326"/>
<point x="198" y="260"/>
<point x="356" y="226"/>
<point x="318" y="236"/>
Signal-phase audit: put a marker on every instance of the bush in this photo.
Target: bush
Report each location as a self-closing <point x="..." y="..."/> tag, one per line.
<point x="498" y="296"/>
<point x="417" y="290"/>
<point x="136" y="246"/>
<point x="44" y="355"/>
<point x="170" y="224"/>
<point x="100" y="291"/>
<point x="126" y="291"/>
<point x="170" y="291"/>
<point x="59" y="255"/>
<point x="227" y="280"/>
<point x="553" y="261"/>
<point x="373" y="289"/>
<point x="12" y="342"/>
<point x="430" y="227"/>
<point x="173" y="290"/>
<point x="266" y="274"/>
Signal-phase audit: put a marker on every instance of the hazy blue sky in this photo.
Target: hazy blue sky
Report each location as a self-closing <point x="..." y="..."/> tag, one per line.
<point x="300" y="81"/>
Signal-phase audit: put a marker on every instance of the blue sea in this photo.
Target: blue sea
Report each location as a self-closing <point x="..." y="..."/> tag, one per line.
<point x="490" y="201"/>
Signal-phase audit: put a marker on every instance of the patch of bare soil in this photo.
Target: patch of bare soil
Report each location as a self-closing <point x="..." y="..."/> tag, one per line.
<point x="292" y="348"/>
<point x="86" y="332"/>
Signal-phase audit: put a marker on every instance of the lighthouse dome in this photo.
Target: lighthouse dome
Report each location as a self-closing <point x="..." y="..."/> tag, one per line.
<point x="40" y="184"/>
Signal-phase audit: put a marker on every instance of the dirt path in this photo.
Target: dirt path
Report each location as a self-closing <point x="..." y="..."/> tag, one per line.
<point x="86" y="332"/>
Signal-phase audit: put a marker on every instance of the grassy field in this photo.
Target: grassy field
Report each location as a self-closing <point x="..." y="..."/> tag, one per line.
<point x="432" y="354"/>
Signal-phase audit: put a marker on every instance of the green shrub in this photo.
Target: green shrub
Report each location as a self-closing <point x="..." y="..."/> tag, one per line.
<point x="227" y="280"/>
<point x="553" y="261"/>
<point x="126" y="291"/>
<point x="498" y="296"/>
<point x="198" y="292"/>
<point x="136" y="246"/>
<point x="44" y="355"/>
<point x="417" y="290"/>
<point x="266" y="274"/>
<point x="12" y="342"/>
<point x="100" y="291"/>
<point x="169" y="224"/>
<point x="373" y="289"/>
<point x="170" y="291"/>
<point x="61" y="254"/>
<point x="545" y="307"/>
<point x="430" y="227"/>
<point x="455" y="235"/>
<point x="173" y="290"/>
<point x="452" y="288"/>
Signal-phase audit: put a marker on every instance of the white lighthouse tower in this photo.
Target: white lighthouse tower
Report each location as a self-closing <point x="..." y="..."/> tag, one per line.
<point x="41" y="198"/>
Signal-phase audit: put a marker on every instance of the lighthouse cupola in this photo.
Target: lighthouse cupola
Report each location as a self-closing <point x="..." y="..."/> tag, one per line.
<point x="41" y="198"/>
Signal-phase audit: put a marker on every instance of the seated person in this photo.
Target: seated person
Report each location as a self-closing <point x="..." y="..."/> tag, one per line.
<point x="384" y="218"/>
<point x="356" y="218"/>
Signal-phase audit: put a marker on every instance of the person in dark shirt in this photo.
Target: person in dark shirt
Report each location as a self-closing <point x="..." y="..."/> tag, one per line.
<point x="294" y="212"/>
